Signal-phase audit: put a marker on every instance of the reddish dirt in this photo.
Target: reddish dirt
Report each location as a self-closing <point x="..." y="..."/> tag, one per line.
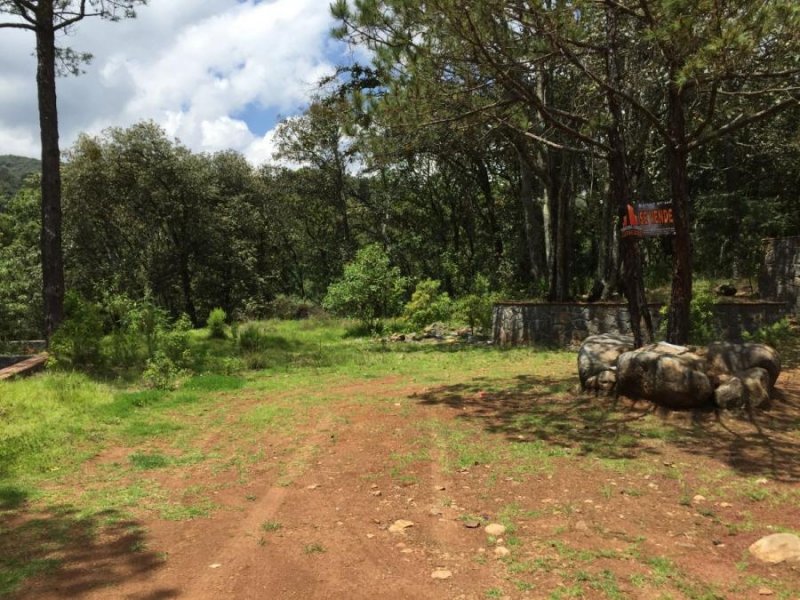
<point x="573" y="523"/>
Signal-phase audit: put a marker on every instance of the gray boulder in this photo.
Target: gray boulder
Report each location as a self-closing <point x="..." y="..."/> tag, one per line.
<point x="757" y="386"/>
<point x="599" y="353"/>
<point x="666" y="374"/>
<point x="729" y="359"/>
<point x="730" y="394"/>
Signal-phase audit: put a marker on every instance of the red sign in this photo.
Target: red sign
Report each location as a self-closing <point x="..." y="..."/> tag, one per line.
<point x="648" y="220"/>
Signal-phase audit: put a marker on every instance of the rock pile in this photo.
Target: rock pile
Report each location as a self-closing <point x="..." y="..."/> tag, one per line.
<point x="680" y="377"/>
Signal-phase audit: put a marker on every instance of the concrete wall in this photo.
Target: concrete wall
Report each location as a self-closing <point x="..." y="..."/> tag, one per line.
<point x="567" y="324"/>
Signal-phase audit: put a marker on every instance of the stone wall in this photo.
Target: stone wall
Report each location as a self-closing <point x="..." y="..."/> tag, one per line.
<point x="779" y="276"/>
<point x="569" y="323"/>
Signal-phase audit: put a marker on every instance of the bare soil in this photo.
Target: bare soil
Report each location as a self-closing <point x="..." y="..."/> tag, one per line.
<point x="623" y="502"/>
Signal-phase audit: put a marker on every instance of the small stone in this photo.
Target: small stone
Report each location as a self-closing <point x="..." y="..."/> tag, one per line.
<point x="436" y="512"/>
<point x="495" y="529"/>
<point x="370" y="535"/>
<point x="765" y="591"/>
<point x="725" y="504"/>
<point x="406" y="551"/>
<point x="777" y="548"/>
<point x="581" y="526"/>
<point x="698" y="498"/>
<point x="400" y="526"/>
<point x="376" y="493"/>
<point x="214" y="566"/>
<point x="762" y="480"/>
<point x="439" y="488"/>
<point x="374" y="486"/>
<point x="472" y="524"/>
<point x="441" y="574"/>
<point x="501" y="551"/>
<point x="313" y="486"/>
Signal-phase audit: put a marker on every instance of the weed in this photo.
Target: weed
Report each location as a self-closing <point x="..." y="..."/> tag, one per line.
<point x="314" y="548"/>
<point x="271" y="526"/>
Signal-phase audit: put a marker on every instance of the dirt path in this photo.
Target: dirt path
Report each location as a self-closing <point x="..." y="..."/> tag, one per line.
<point x="662" y="519"/>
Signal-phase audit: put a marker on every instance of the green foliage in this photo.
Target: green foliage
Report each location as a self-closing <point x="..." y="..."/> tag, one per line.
<point x="13" y="172"/>
<point x="216" y="324"/>
<point x="160" y="372"/>
<point x="475" y="309"/>
<point x="77" y="342"/>
<point x="778" y="334"/>
<point x="290" y="307"/>
<point x="252" y="338"/>
<point x="369" y="290"/>
<point x="428" y="305"/>
<point x="702" y="326"/>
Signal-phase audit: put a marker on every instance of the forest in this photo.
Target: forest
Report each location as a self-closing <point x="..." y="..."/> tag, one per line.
<point x="491" y="150"/>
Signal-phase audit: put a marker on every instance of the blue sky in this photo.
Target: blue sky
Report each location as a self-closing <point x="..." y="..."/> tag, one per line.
<point x="217" y="74"/>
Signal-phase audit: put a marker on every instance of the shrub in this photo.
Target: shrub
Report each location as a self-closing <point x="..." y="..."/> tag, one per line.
<point x="475" y="309"/>
<point x="252" y="338"/>
<point x="428" y="305"/>
<point x="216" y="323"/>
<point x="702" y="326"/>
<point x="174" y="342"/>
<point x="370" y="288"/>
<point x="290" y="307"/>
<point x="777" y="335"/>
<point x="160" y="372"/>
<point x="76" y="344"/>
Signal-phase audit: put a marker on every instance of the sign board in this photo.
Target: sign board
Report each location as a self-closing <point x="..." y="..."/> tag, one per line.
<point x="648" y="220"/>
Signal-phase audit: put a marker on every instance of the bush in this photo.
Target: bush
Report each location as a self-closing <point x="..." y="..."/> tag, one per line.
<point x="290" y="308"/>
<point x="160" y="372"/>
<point x="428" y="305"/>
<point x="370" y="288"/>
<point x="702" y="326"/>
<point x="174" y="342"/>
<point x="777" y="335"/>
<point x="475" y="309"/>
<point x="76" y="344"/>
<point x="216" y="324"/>
<point x="252" y="338"/>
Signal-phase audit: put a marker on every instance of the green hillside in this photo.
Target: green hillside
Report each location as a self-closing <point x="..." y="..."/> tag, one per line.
<point x="13" y="171"/>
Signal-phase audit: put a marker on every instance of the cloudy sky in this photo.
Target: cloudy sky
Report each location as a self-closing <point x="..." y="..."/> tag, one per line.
<point x="216" y="74"/>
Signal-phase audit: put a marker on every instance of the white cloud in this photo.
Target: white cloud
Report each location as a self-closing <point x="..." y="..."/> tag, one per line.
<point x="193" y="67"/>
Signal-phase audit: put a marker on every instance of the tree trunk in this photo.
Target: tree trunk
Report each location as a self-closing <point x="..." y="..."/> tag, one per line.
<point x="619" y="188"/>
<point x="677" y="158"/>
<point x="533" y="220"/>
<point x="52" y="257"/>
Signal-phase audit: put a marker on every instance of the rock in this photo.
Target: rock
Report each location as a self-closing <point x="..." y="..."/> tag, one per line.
<point x="777" y="548"/>
<point x="765" y="591"/>
<point x="214" y="566"/>
<point x="376" y="493"/>
<point x="730" y="359"/>
<point x="669" y="375"/>
<point x="606" y="381"/>
<point x="441" y="574"/>
<point x="599" y="353"/>
<point x="495" y="529"/>
<point x="756" y="382"/>
<point x="400" y="526"/>
<point x="698" y="498"/>
<point x="730" y="394"/>
<point x="397" y="337"/>
<point x="501" y="552"/>
<point x="472" y="524"/>
<point x="581" y="526"/>
<point x="726" y="289"/>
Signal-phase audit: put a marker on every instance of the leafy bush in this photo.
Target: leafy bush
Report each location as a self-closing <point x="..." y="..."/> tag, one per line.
<point x="475" y="309"/>
<point x="702" y="325"/>
<point x="777" y="335"/>
<point x="428" y="305"/>
<point x="160" y="372"/>
<point x="77" y="341"/>
<point x="174" y="342"/>
<point x="370" y="288"/>
<point x="216" y="324"/>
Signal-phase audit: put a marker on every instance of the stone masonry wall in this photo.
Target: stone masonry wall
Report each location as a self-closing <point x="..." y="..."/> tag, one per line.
<point x="779" y="276"/>
<point x="567" y="324"/>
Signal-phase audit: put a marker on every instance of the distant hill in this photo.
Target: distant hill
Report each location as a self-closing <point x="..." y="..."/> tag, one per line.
<point x="13" y="171"/>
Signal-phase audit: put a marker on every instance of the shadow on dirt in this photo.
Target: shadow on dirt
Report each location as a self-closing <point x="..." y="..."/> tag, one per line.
<point x="528" y="408"/>
<point x="59" y="553"/>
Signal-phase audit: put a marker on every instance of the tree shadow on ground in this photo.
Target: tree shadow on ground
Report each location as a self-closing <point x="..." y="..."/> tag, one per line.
<point x="529" y="408"/>
<point x="57" y="552"/>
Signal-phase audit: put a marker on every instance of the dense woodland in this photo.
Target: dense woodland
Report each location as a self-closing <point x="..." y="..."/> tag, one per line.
<point x="488" y="147"/>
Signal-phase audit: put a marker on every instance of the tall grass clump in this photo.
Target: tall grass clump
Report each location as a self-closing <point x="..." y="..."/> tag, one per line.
<point x="216" y="324"/>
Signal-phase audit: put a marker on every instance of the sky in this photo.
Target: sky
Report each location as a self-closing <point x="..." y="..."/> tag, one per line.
<point x="216" y="74"/>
